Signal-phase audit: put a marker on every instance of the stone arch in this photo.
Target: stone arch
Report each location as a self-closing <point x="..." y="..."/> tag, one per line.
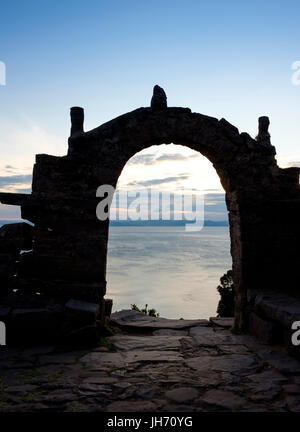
<point x="70" y="245"/>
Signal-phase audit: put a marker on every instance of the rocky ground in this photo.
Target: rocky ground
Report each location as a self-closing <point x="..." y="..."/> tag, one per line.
<point x="153" y="364"/>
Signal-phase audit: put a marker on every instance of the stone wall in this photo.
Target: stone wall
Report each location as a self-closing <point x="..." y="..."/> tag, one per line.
<point x="68" y="257"/>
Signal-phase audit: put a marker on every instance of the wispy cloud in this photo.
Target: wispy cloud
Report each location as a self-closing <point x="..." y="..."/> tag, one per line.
<point x="20" y="183"/>
<point x="160" y="181"/>
<point x="175" y="157"/>
<point x="293" y="164"/>
<point x="143" y="159"/>
<point x="21" y="139"/>
<point x="15" y="180"/>
<point x="153" y="159"/>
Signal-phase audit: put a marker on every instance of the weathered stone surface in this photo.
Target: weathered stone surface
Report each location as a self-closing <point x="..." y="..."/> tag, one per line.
<point x="210" y="336"/>
<point x="147" y="343"/>
<point x="264" y="330"/>
<point x="137" y="380"/>
<point x="282" y="362"/>
<point x="100" y="380"/>
<point x="79" y="306"/>
<point x="279" y="307"/>
<point x="266" y="384"/>
<point x="235" y="363"/>
<point x="233" y="349"/>
<point x="37" y="350"/>
<point x="86" y="335"/>
<point x="130" y="318"/>
<point x="131" y="406"/>
<point x="222" y="322"/>
<point x="96" y="360"/>
<point x="152" y="356"/>
<point x="182" y="394"/>
<point x="292" y="389"/>
<point x="222" y="399"/>
<point x="82" y="312"/>
<point x="22" y="388"/>
<point x="170" y="332"/>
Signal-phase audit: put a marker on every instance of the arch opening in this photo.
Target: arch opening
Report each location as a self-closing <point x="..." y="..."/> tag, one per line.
<point x="155" y="260"/>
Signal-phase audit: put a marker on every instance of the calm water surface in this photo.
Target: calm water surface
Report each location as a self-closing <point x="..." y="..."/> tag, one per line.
<point x="170" y="269"/>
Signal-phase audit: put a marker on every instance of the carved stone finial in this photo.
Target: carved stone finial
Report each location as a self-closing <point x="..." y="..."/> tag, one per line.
<point x="159" y="98"/>
<point x="263" y="136"/>
<point x="77" y="119"/>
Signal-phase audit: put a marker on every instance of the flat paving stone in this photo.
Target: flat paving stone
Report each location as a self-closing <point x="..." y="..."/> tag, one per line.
<point x="68" y="358"/>
<point x="131" y="406"/>
<point x="152" y="356"/>
<point x="182" y="394"/>
<point x="22" y="388"/>
<point x="37" y="351"/>
<point x="227" y="363"/>
<point x="100" y="380"/>
<point x="222" y="399"/>
<point x="170" y="332"/>
<point x="96" y="360"/>
<point x="146" y="343"/>
<point x="267" y="378"/>
<point x="222" y="322"/>
<point x="292" y="389"/>
<point x="233" y="349"/>
<point x="211" y="336"/>
<point x="282" y="362"/>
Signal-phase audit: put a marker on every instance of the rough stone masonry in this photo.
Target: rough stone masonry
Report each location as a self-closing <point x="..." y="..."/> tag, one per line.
<point x="56" y="286"/>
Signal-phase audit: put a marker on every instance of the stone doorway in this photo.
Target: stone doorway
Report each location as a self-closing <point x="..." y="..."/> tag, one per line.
<point x="68" y="259"/>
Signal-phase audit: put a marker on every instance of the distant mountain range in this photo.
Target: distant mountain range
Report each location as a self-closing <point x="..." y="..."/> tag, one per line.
<point x="166" y="223"/>
<point x="145" y="223"/>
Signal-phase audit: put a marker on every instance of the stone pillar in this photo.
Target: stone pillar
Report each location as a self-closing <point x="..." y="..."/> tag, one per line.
<point x="77" y="119"/>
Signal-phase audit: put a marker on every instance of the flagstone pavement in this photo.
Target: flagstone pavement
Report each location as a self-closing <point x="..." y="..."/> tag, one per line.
<point x="153" y="364"/>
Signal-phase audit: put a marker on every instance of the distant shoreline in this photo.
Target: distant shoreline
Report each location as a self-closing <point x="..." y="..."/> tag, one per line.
<point x="168" y="223"/>
<point x="147" y="223"/>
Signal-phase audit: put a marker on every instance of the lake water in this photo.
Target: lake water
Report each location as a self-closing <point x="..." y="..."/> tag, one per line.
<point x="172" y="270"/>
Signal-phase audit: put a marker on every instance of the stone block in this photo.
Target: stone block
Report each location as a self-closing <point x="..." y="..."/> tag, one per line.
<point x="15" y="237"/>
<point x="108" y="307"/>
<point x="82" y="312"/>
<point x="278" y="307"/>
<point x="86" y="335"/>
<point x="35" y="324"/>
<point x="266" y="331"/>
<point x="63" y="289"/>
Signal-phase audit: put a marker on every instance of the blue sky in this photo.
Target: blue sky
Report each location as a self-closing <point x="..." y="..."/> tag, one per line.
<point x="225" y="59"/>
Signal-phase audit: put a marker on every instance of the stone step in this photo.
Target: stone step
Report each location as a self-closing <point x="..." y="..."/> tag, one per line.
<point x="138" y="320"/>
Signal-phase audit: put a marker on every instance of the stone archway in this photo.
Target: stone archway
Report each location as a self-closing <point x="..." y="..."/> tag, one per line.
<point x="68" y="259"/>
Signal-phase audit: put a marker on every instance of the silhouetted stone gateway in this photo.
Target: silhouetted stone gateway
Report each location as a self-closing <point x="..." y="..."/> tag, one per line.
<point x="68" y="259"/>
